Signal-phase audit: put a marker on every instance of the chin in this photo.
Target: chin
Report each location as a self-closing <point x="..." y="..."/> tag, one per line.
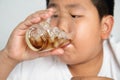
<point x="67" y="59"/>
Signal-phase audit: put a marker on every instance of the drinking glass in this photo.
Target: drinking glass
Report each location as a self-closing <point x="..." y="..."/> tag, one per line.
<point x="44" y="37"/>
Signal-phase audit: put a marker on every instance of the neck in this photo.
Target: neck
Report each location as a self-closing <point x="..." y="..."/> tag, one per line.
<point x="89" y="68"/>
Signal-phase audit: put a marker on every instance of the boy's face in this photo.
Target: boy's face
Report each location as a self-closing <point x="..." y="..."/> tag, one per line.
<point x="81" y="19"/>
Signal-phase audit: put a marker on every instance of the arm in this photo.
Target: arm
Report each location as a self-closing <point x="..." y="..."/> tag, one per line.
<point x="6" y="65"/>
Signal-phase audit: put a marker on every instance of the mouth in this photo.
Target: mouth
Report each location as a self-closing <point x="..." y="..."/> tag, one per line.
<point x="66" y="45"/>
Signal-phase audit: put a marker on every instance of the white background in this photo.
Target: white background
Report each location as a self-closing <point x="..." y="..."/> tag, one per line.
<point x="12" y="12"/>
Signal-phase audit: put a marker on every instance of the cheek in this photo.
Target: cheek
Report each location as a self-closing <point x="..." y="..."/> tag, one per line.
<point x="86" y="44"/>
<point x="86" y="30"/>
<point x="87" y="37"/>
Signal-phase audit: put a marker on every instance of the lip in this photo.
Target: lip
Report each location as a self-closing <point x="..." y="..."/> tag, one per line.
<point x="66" y="45"/>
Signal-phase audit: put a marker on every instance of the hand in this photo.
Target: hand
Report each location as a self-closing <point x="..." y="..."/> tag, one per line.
<point x="17" y="48"/>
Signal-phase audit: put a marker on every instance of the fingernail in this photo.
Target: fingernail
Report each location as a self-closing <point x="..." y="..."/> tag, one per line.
<point x="51" y="10"/>
<point x="35" y="19"/>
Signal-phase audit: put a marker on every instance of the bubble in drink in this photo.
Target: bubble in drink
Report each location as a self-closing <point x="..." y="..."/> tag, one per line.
<point x="42" y="37"/>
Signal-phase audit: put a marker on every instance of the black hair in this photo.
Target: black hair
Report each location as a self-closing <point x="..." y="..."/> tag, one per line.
<point x="104" y="7"/>
<point x="47" y="2"/>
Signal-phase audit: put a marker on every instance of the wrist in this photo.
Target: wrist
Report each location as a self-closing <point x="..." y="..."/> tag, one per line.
<point x="6" y="65"/>
<point x="5" y="59"/>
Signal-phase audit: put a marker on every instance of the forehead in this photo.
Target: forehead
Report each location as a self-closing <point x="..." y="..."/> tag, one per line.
<point x="70" y="3"/>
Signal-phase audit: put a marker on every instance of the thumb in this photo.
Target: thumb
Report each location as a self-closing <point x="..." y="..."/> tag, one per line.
<point x="58" y="51"/>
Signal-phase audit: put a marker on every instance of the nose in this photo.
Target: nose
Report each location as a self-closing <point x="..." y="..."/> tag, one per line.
<point x="63" y="24"/>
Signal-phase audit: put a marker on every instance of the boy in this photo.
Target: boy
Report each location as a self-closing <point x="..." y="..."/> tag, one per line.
<point x="90" y="52"/>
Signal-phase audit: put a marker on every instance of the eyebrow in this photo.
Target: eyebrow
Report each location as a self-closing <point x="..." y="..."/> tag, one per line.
<point x="53" y="5"/>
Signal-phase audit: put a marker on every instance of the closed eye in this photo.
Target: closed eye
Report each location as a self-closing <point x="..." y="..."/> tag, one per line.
<point x="54" y="16"/>
<point x="76" y="16"/>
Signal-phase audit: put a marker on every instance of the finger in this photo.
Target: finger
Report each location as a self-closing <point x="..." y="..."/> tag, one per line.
<point x="36" y="18"/>
<point x="43" y="14"/>
<point x="58" y="51"/>
<point x="23" y="26"/>
<point x="31" y="54"/>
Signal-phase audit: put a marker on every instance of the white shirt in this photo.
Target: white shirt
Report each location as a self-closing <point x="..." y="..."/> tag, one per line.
<point x="50" y="68"/>
<point x="111" y="60"/>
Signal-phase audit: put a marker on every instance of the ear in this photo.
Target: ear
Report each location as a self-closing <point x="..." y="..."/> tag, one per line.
<point x="106" y="27"/>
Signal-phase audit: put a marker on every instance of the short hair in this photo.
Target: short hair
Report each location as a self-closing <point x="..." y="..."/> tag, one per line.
<point x="104" y="7"/>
